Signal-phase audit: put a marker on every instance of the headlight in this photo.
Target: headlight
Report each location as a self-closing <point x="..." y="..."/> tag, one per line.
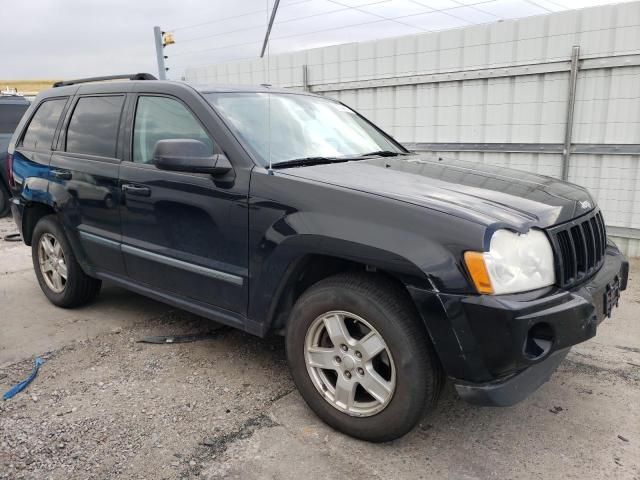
<point x="514" y="263"/>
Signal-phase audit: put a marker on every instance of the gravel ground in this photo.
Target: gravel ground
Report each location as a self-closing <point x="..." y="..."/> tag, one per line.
<point x="106" y="406"/>
<point x="109" y="406"/>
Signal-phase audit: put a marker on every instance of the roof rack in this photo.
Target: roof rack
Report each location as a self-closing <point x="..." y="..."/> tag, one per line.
<point x="128" y="76"/>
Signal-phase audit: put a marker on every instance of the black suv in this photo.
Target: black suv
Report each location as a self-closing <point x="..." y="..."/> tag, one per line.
<point x="12" y="107"/>
<point x="280" y="211"/>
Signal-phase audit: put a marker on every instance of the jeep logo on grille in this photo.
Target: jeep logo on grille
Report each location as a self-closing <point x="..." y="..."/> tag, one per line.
<point x="586" y="204"/>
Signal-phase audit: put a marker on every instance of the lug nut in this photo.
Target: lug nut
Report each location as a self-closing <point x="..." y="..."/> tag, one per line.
<point x="343" y="348"/>
<point x="358" y="354"/>
<point x="360" y="371"/>
<point x="338" y="359"/>
<point x="347" y="374"/>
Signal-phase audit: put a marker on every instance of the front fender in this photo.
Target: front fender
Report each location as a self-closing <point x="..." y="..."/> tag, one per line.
<point x="292" y="218"/>
<point x="283" y="263"/>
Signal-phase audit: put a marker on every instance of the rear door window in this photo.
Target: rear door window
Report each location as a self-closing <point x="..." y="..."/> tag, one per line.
<point x="93" y="128"/>
<point x="10" y="115"/>
<point x="41" y="129"/>
<point x="162" y="118"/>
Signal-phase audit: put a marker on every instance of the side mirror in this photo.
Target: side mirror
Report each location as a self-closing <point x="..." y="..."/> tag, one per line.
<point x="186" y="155"/>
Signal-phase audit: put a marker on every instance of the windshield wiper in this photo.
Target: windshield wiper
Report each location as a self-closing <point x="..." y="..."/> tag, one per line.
<point x="305" y="161"/>
<point x="382" y="153"/>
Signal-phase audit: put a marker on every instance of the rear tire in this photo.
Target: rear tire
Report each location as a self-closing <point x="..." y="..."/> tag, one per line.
<point x="393" y="389"/>
<point x="59" y="274"/>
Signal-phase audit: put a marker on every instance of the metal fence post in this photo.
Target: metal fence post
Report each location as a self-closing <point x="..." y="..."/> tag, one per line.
<point x="571" y="103"/>
<point x="305" y="78"/>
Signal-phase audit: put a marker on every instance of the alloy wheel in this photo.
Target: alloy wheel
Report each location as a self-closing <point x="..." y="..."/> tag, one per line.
<point x="349" y="363"/>
<point x="52" y="262"/>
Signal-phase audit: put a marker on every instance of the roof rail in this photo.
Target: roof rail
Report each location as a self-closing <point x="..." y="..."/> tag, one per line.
<point x="128" y="76"/>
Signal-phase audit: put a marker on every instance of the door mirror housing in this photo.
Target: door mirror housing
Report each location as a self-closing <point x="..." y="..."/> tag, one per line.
<point x="187" y="155"/>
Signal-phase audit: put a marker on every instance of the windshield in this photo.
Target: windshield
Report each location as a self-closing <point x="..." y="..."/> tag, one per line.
<point x="287" y="127"/>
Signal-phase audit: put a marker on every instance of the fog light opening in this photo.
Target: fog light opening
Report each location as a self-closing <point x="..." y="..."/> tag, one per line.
<point x="539" y="341"/>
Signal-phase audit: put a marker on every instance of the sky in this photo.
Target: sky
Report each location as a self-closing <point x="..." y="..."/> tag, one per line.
<point x="61" y="39"/>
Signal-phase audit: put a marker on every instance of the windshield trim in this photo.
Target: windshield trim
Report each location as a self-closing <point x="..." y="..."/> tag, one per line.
<point x="249" y="151"/>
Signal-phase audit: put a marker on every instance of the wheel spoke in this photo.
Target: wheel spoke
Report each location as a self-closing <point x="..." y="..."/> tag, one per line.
<point x="370" y="346"/>
<point x="321" y="357"/>
<point x="56" y="279"/>
<point x="375" y="385"/>
<point x="57" y="249"/>
<point x="46" y="246"/>
<point x="62" y="269"/>
<point x="47" y="266"/>
<point x="345" y="392"/>
<point x="337" y="330"/>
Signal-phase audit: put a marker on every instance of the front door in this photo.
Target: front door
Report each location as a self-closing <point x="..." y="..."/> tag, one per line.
<point x="183" y="233"/>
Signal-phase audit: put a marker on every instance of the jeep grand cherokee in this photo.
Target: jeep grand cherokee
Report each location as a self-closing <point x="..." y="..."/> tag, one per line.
<point x="281" y="211"/>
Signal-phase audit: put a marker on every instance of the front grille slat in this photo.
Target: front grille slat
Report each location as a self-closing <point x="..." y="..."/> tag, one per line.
<point x="591" y="244"/>
<point x="573" y="257"/>
<point x="579" y="247"/>
<point x="596" y="230"/>
<point x="603" y="232"/>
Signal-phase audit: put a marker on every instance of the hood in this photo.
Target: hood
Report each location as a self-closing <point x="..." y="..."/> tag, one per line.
<point x="481" y="193"/>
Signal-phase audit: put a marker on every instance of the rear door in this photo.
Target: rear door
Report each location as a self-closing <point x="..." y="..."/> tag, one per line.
<point x="183" y="233"/>
<point x="32" y="154"/>
<point x="84" y="182"/>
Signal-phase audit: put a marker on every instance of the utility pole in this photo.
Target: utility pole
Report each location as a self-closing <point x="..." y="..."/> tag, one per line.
<point x="157" y="35"/>
<point x="266" y="37"/>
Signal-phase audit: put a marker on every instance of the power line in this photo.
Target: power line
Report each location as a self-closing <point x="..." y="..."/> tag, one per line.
<point x="194" y="52"/>
<point x="289" y="20"/>
<point x="472" y="6"/>
<point x="443" y="10"/>
<point x="232" y="17"/>
<point x="536" y="4"/>
<point x="381" y="19"/>
<point x="360" y="9"/>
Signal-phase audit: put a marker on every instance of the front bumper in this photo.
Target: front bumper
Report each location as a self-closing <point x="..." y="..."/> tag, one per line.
<point x="499" y="349"/>
<point x="503" y="393"/>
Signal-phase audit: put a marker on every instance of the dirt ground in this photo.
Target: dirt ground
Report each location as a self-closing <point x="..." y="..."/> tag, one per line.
<point x="106" y="406"/>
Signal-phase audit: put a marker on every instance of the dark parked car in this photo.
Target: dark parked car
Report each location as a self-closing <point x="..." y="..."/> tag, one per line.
<point x="281" y="211"/>
<point x="12" y="107"/>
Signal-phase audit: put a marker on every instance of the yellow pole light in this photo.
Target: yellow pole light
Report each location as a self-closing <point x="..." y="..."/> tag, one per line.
<point x="167" y="39"/>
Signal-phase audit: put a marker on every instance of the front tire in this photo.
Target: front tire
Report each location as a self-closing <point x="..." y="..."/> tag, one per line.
<point x="59" y="274"/>
<point x="360" y="356"/>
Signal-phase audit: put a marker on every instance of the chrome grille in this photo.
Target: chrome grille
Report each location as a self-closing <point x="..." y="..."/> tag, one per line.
<point x="579" y="247"/>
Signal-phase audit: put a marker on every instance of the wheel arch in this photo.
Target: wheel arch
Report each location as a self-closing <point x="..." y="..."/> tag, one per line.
<point x="32" y="214"/>
<point x="304" y="268"/>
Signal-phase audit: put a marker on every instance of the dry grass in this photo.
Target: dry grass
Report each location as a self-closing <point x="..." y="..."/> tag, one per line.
<point x="24" y="86"/>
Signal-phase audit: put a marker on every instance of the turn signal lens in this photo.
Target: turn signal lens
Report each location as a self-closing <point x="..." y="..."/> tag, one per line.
<point x="478" y="271"/>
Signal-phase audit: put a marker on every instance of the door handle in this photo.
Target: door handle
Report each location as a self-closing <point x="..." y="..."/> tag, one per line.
<point x="61" y="174"/>
<point x="132" y="189"/>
